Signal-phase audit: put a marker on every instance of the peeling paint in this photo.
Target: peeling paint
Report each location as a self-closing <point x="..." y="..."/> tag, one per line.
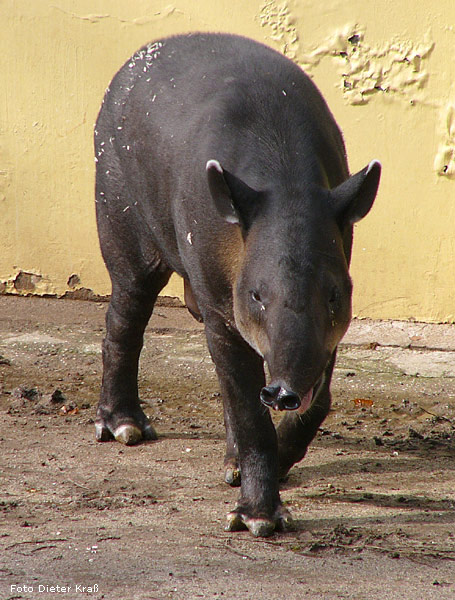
<point x="77" y="291"/>
<point x="91" y="17"/>
<point x="444" y="163"/>
<point x="83" y="293"/>
<point x="5" y="181"/>
<point x="395" y="68"/>
<point x="73" y="281"/>
<point x="27" y="283"/>
<point x="143" y="20"/>
<point x="278" y="18"/>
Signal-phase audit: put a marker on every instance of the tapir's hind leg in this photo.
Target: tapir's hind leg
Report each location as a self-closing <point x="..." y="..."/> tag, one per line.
<point x="119" y="413"/>
<point x="138" y="273"/>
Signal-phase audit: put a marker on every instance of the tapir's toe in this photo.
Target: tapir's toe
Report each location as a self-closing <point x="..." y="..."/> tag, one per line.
<point x="103" y="433"/>
<point x="128" y="434"/>
<point x="285" y="522"/>
<point x="148" y="433"/>
<point x="238" y="520"/>
<point x="125" y="433"/>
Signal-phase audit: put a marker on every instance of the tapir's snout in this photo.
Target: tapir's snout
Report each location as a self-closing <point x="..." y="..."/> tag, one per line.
<point x="280" y="398"/>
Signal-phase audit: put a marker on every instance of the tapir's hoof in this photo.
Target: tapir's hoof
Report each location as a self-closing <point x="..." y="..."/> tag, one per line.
<point x="130" y="434"/>
<point x="127" y="433"/>
<point x="238" y="520"/>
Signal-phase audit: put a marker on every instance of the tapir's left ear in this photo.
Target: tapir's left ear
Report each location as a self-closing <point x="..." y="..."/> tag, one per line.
<point x="235" y="201"/>
<point x="353" y="198"/>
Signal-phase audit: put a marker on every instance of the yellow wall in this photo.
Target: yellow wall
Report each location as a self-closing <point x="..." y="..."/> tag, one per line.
<point x="386" y="68"/>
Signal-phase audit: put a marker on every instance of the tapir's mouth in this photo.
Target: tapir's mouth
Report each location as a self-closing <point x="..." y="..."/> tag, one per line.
<point x="305" y="402"/>
<point x="278" y="397"/>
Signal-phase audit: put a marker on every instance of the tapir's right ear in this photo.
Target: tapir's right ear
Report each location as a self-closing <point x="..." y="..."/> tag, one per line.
<point x="235" y="201"/>
<point x="353" y="199"/>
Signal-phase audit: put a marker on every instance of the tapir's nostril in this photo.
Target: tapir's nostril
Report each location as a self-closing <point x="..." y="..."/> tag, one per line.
<point x="290" y="400"/>
<point x="269" y="395"/>
<point x="279" y="398"/>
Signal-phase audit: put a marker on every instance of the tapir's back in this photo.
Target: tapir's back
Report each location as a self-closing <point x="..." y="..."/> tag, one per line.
<point x="185" y="100"/>
<point x="194" y="97"/>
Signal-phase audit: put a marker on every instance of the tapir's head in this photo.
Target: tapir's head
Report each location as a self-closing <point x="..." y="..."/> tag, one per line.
<point x="292" y="293"/>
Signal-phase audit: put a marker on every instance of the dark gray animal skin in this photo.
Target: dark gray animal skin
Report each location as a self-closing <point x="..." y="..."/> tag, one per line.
<point x="218" y="159"/>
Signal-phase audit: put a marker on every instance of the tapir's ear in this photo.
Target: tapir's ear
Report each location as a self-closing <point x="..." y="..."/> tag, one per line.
<point x="235" y="200"/>
<point x="353" y="198"/>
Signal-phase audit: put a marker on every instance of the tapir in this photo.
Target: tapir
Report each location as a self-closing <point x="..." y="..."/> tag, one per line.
<point x="218" y="159"/>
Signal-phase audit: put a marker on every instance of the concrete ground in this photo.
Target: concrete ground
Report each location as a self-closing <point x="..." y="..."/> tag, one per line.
<point x="373" y="501"/>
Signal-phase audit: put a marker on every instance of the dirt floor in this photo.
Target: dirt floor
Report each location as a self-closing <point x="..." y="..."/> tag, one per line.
<point x="374" y="500"/>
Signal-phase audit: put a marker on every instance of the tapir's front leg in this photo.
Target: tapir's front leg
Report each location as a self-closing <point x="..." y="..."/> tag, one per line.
<point x="241" y="375"/>
<point x="296" y="431"/>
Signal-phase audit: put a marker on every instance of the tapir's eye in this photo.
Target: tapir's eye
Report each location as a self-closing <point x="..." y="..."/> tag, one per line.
<point x="256" y="297"/>
<point x="258" y="302"/>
